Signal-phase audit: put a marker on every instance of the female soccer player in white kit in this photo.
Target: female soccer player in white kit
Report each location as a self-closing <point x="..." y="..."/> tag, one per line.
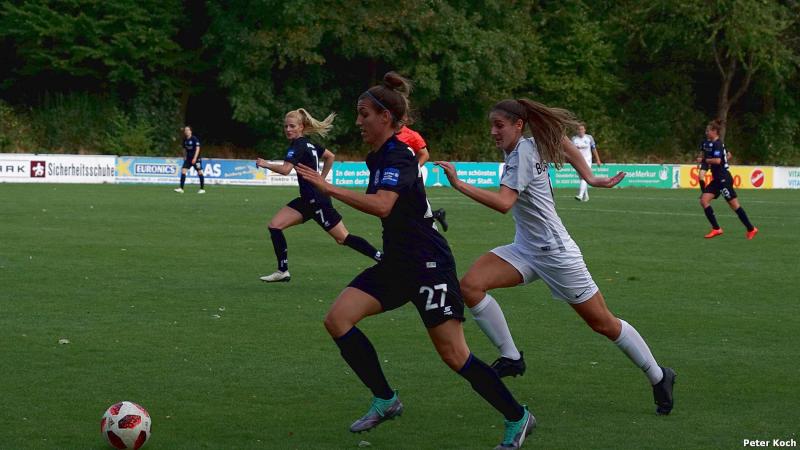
<point x="542" y="248"/>
<point x="586" y="145"/>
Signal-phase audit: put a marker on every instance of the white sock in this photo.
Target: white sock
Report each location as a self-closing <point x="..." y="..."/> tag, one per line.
<point x="582" y="191"/>
<point x="632" y="344"/>
<point x="490" y="319"/>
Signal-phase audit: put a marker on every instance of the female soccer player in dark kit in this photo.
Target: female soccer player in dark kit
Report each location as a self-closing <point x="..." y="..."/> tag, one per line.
<point x="423" y="273"/>
<point x="312" y="204"/>
<point x="715" y="158"/>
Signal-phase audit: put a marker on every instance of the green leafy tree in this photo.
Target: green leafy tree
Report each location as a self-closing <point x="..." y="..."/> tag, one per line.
<point x="114" y="43"/>
<point x="280" y="55"/>
<point x="739" y="38"/>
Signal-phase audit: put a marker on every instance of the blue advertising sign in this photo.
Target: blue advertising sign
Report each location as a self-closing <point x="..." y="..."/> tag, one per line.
<point x="137" y="169"/>
<point x="483" y="174"/>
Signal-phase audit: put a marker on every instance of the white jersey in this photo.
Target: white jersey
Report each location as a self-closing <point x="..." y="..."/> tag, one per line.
<point x="538" y="228"/>
<point x="585" y="145"/>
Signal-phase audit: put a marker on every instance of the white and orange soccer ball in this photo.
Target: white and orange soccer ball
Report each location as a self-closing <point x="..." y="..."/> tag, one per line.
<point x="126" y="425"/>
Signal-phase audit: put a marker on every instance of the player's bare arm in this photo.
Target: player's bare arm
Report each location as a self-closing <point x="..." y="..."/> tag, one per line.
<point x="379" y="204"/>
<point x="283" y="169"/>
<point x="423" y="155"/>
<point x="327" y="162"/>
<point x="501" y="201"/>
<point x="597" y="157"/>
<point x="573" y="156"/>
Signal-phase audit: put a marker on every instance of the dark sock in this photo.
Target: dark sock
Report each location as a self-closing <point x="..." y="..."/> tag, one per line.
<point x="484" y="381"/>
<point x="711" y="218"/>
<point x="202" y="180"/>
<point x="743" y="217"/>
<point x="361" y="245"/>
<point x="281" y="249"/>
<point x="360" y="355"/>
<point x="183" y="179"/>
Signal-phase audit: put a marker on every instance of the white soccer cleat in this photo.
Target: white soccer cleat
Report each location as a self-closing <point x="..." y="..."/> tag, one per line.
<point x="179" y="190"/>
<point x="276" y="276"/>
<point x="201" y="191"/>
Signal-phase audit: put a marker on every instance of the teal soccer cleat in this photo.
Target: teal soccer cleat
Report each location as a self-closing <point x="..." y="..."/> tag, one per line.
<point x="380" y="411"/>
<point x="516" y="432"/>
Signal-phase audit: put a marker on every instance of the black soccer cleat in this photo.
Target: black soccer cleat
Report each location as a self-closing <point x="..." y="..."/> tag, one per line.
<point x="507" y="367"/>
<point x="441" y="215"/>
<point x="662" y="392"/>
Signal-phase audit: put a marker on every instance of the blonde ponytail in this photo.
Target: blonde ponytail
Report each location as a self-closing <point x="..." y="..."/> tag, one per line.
<point x="312" y="125"/>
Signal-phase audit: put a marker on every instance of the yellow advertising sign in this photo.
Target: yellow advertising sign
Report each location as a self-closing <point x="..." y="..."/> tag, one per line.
<point x="744" y="177"/>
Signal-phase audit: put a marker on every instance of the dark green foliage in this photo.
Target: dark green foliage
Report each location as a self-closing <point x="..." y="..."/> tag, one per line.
<point x="645" y="76"/>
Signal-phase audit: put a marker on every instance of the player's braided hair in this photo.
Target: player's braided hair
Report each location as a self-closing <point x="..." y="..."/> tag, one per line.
<point x="548" y="125"/>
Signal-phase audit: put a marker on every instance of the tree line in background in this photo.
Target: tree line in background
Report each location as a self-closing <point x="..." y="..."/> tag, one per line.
<point x="122" y="76"/>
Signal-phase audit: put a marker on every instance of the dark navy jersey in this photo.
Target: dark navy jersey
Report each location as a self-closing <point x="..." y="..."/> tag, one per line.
<point x="191" y="145"/>
<point x="409" y="236"/>
<point x="303" y="151"/>
<point x="715" y="149"/>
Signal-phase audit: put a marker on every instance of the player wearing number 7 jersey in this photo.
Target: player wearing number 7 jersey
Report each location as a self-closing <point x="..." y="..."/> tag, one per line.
<point x="311" y="204"/>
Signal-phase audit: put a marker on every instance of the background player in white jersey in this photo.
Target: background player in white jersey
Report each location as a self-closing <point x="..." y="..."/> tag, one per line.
<point x="586" y="145"/>
<point x="542" y="248"/>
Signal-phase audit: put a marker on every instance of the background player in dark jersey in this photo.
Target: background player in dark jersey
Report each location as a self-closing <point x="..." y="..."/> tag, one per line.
<point x="311" y="204"/>
<point x="423" y="273"/>
<point x="715" y="158"/>
<point x="192" y="146"/>
<point x="420" y="148"/>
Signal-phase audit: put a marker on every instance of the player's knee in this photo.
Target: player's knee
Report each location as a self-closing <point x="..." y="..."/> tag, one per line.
<point x="453" y="357"/>
<point x="472" y="289"/>
<point x="607" y="328"/>
<point x="335" y="325"/>
<point x="340" y="240"/>
<point x="273" y="226"/>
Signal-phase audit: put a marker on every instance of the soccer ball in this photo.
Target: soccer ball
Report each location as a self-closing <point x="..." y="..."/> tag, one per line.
<point x="126" y="425"/>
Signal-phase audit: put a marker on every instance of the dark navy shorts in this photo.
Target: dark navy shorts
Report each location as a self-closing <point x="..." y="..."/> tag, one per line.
<point x="322" y="212"/>
<point x="722" y="186"/>
<point x="435" y="292"/>
<point x="187" y="163"/>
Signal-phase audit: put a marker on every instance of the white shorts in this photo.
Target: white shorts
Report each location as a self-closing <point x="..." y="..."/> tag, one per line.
<point x="565" y="273"/>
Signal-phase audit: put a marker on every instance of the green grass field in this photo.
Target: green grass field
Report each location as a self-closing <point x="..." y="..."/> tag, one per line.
<point x="158" y="294"/>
